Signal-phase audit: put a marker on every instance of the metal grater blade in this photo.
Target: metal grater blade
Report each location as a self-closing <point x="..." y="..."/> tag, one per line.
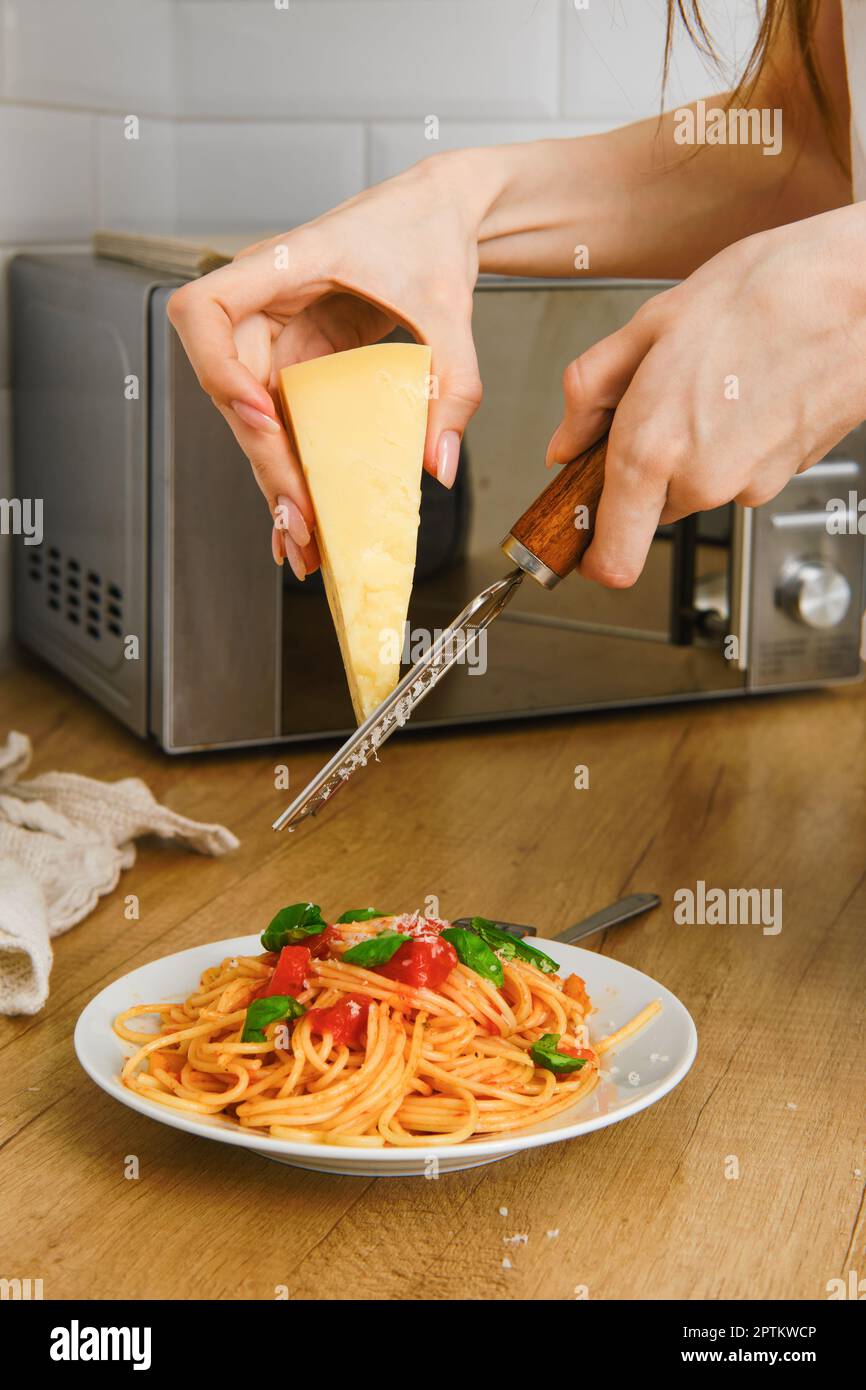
<point x="397" y="709"/>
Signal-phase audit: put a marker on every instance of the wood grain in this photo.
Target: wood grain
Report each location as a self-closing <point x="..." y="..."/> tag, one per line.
<point x="770" y="792"/>
<point x="552" y="528"/>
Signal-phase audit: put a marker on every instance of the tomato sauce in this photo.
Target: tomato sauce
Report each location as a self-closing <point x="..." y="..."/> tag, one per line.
<point x="421" y="963"/>
<point x="346" y="1021"/>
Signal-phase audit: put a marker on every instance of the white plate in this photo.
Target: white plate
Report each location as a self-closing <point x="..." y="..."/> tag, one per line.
<point x="656" y="1059"/>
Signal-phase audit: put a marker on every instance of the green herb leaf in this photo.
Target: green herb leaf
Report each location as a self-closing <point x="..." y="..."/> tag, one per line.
<point x="377" y="951"/>
<point x="510" y="946"/>
<point x="544" y="1054"/>
<point x="361" y="914"/>
<point x="474" y="952"/>
<point x="264" y="1011"/>
<point x="293" y="924"/>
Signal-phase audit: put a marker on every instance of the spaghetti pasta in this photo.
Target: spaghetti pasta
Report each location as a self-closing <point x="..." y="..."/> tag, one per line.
<point x="375" y="1032"/>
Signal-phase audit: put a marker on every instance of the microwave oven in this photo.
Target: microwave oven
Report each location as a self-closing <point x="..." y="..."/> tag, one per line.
<point x="154" y="590"/>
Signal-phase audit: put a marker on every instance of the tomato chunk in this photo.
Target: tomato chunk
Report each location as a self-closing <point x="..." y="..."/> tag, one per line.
<point x="421" y="963"/>
<point x="346" y="1021"/>
<point x="585" y="1052"/>
<point x="290" y="972"/>
<point x="320" y="945"/>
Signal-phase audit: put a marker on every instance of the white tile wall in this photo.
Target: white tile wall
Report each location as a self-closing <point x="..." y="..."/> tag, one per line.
<point x="108" y="54"/>
<point x="394" y="145"/>
<point x="264" y="174"/>
<point x="47" y="173"/>
<point x="613" y="56"/>
<point x="257" y="114"/>
<point x="369" y="58"/>
<point x="136" y="178"/>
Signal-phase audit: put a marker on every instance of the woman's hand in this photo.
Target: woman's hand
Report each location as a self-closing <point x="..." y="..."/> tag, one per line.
<point x="404" y="252"/>
<point x="724" y="387"/>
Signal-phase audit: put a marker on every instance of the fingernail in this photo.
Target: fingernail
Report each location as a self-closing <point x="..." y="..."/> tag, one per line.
<point x="552" y="455"/>
<point x="447" y="457"/>
<point x="276" y="546"/>
<point x="256" y="418"/>
<point x="294" y="557"/>
<point x="289" y="517"/>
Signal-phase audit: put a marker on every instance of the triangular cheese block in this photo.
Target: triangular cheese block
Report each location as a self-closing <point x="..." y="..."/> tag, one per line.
<point x="359" y="420"/>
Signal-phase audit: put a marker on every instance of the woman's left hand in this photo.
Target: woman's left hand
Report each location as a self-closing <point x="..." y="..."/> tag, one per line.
<point x="724" y="387"/>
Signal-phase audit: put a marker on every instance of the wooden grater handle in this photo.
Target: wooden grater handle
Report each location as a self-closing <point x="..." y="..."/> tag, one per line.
<point x="550" y="537"/>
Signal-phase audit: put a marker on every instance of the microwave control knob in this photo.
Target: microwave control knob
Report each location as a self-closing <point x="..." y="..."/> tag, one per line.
<point x="815" y="593"/>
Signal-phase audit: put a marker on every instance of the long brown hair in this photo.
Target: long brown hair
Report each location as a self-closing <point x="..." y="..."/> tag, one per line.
<point x="778" y="18"/>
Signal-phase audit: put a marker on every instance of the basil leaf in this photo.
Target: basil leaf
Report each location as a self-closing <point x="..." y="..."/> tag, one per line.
<point x="293" y="924"/>
<point x="377" y="951"/>
<point x="475" y="953"/>
<point x="361" y="914"/>
<point x="511" y="946"/>
<point x="264" y="1011"/>
<point x="544" y="1054"/>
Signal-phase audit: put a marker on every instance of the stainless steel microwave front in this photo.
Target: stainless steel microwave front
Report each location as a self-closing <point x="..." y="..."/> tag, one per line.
<point x="248" y="654"/>
<point x="156" y="530"/>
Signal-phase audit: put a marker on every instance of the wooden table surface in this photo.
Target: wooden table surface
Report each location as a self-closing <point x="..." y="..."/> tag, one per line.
<point x="765" y="793"/>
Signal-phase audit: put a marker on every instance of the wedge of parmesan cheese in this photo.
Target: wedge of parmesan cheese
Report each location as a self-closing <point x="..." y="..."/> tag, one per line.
<point x="359" y="419"/>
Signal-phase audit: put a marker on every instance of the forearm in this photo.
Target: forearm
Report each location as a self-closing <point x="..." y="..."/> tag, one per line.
<point x="639" y="202"/>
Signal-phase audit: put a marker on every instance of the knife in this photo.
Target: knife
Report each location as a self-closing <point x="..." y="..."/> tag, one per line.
<point x="546" y="543"/>
<point x="612" y="916"/>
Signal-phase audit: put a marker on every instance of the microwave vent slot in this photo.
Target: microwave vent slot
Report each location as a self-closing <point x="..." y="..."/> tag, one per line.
<point x="76" y="593"/>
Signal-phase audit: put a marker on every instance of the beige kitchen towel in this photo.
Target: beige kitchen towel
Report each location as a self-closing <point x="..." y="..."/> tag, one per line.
<point x="64" y="840"/>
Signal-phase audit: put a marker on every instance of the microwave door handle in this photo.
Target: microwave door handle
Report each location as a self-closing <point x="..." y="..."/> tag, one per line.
<point x="683" y="615"/>
<point x="741" y="582"/>
<point x="550" y="537"/>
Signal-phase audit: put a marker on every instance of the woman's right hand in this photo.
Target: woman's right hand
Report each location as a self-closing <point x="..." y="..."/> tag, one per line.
<point x="404" y="252"/>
